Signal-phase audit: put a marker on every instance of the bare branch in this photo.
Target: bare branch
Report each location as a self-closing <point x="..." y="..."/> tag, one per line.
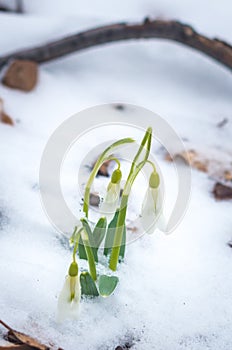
<point x="170" y="30"/>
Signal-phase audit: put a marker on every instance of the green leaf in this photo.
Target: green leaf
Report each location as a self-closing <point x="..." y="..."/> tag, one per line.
<point x="110" y="234"/>
<point x="88" y="286"/>
<point x="109" y="240"/>
<point x="91" y="245"/>
<point x="107" y="285"/>
<point x="99" y="232"/>
<point x="123" y="246"/>
<point x="81" y="250"/>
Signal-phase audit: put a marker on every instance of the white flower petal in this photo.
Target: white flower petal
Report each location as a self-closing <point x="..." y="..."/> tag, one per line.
<point x="68" y="308"/>
<point x="110" y="203"/>
<point x="151" y="210"/>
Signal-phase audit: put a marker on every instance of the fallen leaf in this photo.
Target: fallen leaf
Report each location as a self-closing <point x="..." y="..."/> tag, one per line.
<point x="228" y="175"/>
<point x="216" y="164"/>
<point x="103" y="170"/>
<point x="21" y="339"/>
<point x="192" y="158"/>
<point x="6" y="119"/>
<point x="22" y="75"/>
<point x="16" y="347"/>
<point x="222" y="191"/>
<point x="133" y="229"/>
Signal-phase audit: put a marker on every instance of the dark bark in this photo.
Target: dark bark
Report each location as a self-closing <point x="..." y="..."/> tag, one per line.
<point x="170" y="30"/>
<point x="19" y="8"/>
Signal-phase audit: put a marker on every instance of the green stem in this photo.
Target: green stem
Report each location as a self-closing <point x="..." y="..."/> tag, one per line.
<point x="103" y="157"/>
<point x="116" y="160"/>
<point x="134" y="171"/>
<point x="76" y="244"/>
<point x="146" y="139"/>
<point x="89" y="253"/>
<point x="72" y="239"/>
<point x="152" y="164"/>
<point x="122" y="217"/>
<point x="118" y="234"/>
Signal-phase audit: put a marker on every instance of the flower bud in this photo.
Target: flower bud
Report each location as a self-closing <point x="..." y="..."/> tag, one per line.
<point x="154" y="180"/>
<point x="152" y="211"/>
<point x="73" y="269"/>
<point x="116" y="176"/>
<point x="110" y="203"/>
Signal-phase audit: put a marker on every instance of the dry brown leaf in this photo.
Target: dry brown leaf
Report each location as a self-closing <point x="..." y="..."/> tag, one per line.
<point x="216" y="164"/>
<point x="16" y="347"/>
<point x="132" y="229"/>
<point x="1" y="105"/>
<point x="4" y="118"/>
<point x="228" y="175"/>
<point x="222" y="191"/>
<point x="192" y="158"/>
<point x="19" y="338"/>
<point x="22" y="75"/>
<point x="214" y="167"/>
<point x="103" y="170"/>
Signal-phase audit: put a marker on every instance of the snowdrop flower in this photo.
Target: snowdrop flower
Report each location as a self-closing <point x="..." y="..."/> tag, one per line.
<point x="69" y="299"/>
<point x="151" y="215"/>
<point x="110" y="203"/>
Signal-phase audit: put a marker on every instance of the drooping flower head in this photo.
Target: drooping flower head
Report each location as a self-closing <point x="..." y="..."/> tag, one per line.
<point x="151" y="214"/>
<point x="110" y="202"/>
<point x="69" y="299"/>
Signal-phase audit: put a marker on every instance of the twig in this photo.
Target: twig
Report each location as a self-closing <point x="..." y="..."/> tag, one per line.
<point x="5" y="325"/>
<point x="170" y="30"/>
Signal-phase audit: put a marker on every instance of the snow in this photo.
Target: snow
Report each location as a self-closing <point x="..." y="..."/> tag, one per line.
<point x="174" y="291"/>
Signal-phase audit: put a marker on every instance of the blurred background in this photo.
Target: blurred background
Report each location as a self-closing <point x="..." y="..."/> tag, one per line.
<point x="178" y="295"/>
<point x="174" y="81"/>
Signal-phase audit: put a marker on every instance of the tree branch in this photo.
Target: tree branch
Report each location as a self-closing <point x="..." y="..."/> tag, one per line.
<point x="170" y="30"/>
<point x="19" y="6"/>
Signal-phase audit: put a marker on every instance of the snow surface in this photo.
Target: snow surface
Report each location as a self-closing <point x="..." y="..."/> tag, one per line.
<point x="175" y="291"/>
